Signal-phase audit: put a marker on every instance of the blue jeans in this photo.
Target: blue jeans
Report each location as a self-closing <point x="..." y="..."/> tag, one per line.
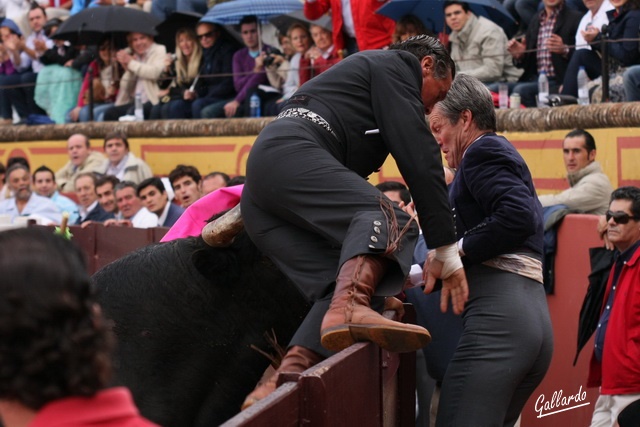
<point x="631" y="81"/>
<point x="209" y="108"/>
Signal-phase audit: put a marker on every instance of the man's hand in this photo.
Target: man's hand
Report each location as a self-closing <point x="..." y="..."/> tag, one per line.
<point x="123" y="57"/>
<point x="189" y="95"/>
<point x="556" y="45"/>
<point x="516" y="48"/>
<point x="74" y="114"/>
<point x="590" y="33"/>
<point x="454" y="284"/>
<point x="454" y="287"/>
<point x="230" y="108"/>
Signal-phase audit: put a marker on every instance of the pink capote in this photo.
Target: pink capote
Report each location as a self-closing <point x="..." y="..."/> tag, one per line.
<point x="193" y="220"/>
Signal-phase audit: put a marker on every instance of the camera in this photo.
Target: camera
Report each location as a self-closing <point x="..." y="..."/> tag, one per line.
<point x="271" y="52"/>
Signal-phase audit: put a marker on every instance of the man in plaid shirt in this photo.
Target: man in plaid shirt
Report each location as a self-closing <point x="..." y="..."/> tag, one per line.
<point x="547" y="46"/>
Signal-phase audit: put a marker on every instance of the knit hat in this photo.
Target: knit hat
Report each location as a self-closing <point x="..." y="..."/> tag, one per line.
<point x="11" y="25"/>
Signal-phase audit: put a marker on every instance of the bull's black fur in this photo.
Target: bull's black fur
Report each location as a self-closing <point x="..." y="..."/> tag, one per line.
<point x="185" y="316"/>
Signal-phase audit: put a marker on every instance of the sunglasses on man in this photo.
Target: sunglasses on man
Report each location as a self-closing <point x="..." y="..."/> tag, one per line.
<point x="620" y="217"/>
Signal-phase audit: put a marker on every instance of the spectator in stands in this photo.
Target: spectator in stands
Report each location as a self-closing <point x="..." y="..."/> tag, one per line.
<point x="546" y="47"/>
<point x="187" y="184"/>
<point x="277" y="67"/>
<point x="25" y="203"/>
<point x="3" y="188"/>
<point x="478" y="46"/>
<point x="301" y="42"/>
<point x="524" y="11"/>
<point x="22" y="96"/>
<point x="44" y="184"/>
<point x="614" y="365"/>
<point x="246" y="78"/>
<point x="18" y="159"/>
<point x="81" y="159"/>
<point x="100" y="74"/>
<point x="179" y="74"/>
<point x="215" y="88"/>
<point x="237" y="180"/>
<point x="55" y="344"/>
<point x="105" y="190"/>
<point x="131" y="212"/>
<point x="213" y="181"/>
<point x="592" y="22"/>
<point x="320" y="56"/>
<point x="13" y="62"/>
<point x="356" y="25"/>
<point x="143" y="62"/>
<point x="396" y="191"/>
<point x="154" y="197"/>
<point x="409" y="26"/>
<point x="60" y="79"/>
<point x="631" y="82"/>
<point x="121" y="162"/>
<point x="285" y="44"/>
<point x="589" y="186"/>
<point x="624" y="22"/>
<point x="16" y="11"/>
<point x="90" y="209"/>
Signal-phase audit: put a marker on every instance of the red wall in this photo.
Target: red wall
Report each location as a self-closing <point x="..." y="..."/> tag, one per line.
<point x="576" y="234"/>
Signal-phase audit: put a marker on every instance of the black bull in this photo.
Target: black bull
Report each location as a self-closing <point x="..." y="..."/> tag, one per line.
<point x="186" y="317"/>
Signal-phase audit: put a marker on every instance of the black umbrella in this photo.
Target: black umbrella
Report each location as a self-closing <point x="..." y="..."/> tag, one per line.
<point x="601" y="262"/>
<point x="92" y="25"/>
<point x="167" y="29"/>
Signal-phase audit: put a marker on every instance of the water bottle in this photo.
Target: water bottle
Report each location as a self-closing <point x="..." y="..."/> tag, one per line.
<point x="503" y="95"/>
<point x="138" y="111"/>
<point x="543" y="90"/>
<point x="254" y="105"/>
<point x="583" y="90"/>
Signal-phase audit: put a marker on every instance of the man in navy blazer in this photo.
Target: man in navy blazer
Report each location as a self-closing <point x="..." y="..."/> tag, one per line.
<point x="154" y="197"/>
<point x="506" y="343"/>
<point x="89" y="209"/>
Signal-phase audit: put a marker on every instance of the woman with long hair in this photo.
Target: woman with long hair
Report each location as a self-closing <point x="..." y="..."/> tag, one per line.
<point x="180" y="73"/>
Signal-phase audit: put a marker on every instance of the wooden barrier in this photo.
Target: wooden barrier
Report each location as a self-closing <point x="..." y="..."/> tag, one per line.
<point x="362" y="385"/>
<point x="103" y="245"/>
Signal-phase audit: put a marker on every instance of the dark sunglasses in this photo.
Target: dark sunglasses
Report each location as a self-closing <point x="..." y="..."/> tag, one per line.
<point x="207" y="35"/>
<point x="620" y="217"/>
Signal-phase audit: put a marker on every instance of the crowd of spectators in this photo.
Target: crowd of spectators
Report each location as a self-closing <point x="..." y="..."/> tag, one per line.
<point x="212" y="74"/>
<point x="118" y="189"/>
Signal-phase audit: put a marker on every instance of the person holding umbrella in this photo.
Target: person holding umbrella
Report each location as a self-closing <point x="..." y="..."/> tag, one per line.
<point x="143" y="63"/>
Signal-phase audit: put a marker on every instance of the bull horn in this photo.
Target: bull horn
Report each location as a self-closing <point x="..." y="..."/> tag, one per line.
<point x="221" y="232"/>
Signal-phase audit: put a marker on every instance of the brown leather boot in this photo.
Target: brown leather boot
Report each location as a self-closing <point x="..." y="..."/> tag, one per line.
<point x="350" y="318"/>
<point x="297" y="360"/>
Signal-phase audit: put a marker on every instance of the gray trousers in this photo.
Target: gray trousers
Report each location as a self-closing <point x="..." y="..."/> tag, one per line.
<point x="503" y="354"/>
